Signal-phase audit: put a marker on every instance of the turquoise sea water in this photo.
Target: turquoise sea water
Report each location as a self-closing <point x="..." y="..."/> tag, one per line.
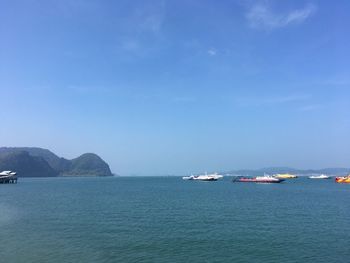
<point x="166" y="219"/>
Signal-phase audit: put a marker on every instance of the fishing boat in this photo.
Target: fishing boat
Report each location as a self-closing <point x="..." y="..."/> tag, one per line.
<point x="267" y="179"/>
<point x="321" y="176"/>
<point x="343" y="179"/>
<point x="285" y="176"/>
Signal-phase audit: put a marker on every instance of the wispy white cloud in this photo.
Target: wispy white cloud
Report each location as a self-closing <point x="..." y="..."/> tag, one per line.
<point x="269" y="100"/>
<point x="339" y="80"/>
<point x="212" y="52"/>
<point x="184" y="99"/>
<point x="260" y="16"/>
<point x="310" y="107"/>
<point x="85" y="89"/>
<point x="152" y="23"/>
<point x="134" y="47"/>
<point x="142" y="29"/>
<point x="149" y="18"/>
<point x="129" y="44"/>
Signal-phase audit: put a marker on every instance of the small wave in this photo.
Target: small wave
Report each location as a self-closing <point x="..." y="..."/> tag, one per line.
<point x="7" y="214"/>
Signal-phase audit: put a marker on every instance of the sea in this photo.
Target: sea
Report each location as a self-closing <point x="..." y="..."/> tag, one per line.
<point x="167" y="219"/>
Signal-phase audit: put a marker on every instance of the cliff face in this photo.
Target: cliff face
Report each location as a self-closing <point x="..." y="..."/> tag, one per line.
<point x="38" y="162"/>
<point x="55" y="162"/>
<point x="26" y="165"/>
<point x="88" y="164"/>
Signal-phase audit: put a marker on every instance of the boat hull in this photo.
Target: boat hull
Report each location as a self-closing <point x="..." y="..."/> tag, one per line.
<point x="285" y="176"/>
<point x="260" y="181"/>
<point x="206" y="179"/>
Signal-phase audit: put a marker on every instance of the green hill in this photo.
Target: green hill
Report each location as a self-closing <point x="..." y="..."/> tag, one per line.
<point x="58" y="164"/>
<point x="26" y="165"/>
<point x="38" y="162"/>
<point x="88" y="164"/>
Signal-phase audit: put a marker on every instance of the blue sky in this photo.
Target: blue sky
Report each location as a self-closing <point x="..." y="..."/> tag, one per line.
<point x="174" y="87"/>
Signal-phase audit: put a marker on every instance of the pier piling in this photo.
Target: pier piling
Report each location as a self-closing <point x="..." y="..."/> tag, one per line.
<point x="8" y="180"/>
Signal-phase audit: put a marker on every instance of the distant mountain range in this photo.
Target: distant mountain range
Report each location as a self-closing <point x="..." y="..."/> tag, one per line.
<point x="38" y="162"/>
<point x="275" y="170"/>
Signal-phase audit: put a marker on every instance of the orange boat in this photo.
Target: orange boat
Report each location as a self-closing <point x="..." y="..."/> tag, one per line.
<point x="343" y="179"/>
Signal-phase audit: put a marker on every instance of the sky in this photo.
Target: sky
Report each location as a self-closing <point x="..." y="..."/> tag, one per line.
<point x="176" y="87"/>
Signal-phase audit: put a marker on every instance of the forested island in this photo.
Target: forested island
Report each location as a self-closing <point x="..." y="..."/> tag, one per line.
<point x="39" y="162"/>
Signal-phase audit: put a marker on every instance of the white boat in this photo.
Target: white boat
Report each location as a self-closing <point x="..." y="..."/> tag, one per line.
<point x="204" y="177"/>
<point x="321" y="176"/>
<point x="266" y="179"/>
<point x="188" y="177"/>
<point x="215" y="175"/>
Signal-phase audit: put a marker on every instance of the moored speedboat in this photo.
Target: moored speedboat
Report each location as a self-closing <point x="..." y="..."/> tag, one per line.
<point x="216" y="176"/>
<point x="205" y="177"/>
<point x="285" y="176"/>
<point x="343" y="179"/>
<point x="321" y="176"/>
<point x="188" y="177"/>
<point x="267" y="179"/>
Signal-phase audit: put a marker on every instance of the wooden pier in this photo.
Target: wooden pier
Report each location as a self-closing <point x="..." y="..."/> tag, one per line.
<point x="9" y="179"/>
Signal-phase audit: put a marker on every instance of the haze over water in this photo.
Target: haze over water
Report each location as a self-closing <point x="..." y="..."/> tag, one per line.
<point x="166" y="219"/>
